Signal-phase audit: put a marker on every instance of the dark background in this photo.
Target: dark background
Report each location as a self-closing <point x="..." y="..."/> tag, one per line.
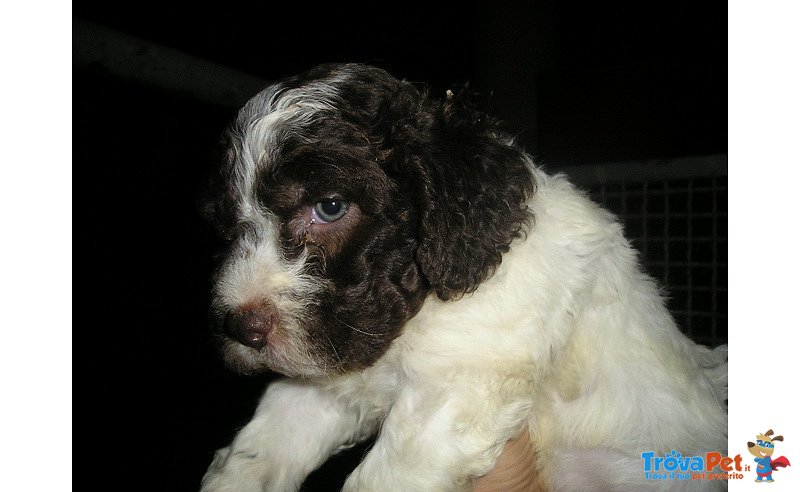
<point x="579" y="82"/>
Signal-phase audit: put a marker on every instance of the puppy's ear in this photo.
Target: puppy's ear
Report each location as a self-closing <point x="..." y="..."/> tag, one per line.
<point x="470" y="186"/>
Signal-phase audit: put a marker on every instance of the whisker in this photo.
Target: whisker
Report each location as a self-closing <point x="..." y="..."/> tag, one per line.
<point x="356" y="329"/>
<point x="335" y="353"/>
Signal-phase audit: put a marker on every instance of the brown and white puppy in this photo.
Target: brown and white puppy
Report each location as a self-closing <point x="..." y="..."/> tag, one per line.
<point x="416" y="276"/>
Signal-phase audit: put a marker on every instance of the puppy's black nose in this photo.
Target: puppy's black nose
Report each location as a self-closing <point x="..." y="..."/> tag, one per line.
<point x="251" y="327"/>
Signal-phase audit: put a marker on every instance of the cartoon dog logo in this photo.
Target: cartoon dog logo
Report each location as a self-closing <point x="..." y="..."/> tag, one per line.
<point x="762" y="449"/>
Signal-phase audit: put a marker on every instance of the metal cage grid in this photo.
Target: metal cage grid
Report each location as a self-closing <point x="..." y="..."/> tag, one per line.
<point x="678" y="221"/>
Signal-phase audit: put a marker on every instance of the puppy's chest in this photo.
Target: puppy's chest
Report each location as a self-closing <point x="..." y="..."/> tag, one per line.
<point x="424" y="370"/>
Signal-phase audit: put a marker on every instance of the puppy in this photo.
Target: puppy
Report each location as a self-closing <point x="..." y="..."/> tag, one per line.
<point x="414" y="275"/>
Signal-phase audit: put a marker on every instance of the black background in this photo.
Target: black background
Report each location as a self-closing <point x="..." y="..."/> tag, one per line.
<point x="579" y="82"/>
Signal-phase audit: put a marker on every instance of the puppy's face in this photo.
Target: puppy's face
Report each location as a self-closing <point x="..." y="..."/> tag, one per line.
<point x="346" y="196"/>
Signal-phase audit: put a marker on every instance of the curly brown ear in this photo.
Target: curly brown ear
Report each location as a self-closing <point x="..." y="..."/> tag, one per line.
<point x="471" y="189"/>
<point x="777" y="438"/>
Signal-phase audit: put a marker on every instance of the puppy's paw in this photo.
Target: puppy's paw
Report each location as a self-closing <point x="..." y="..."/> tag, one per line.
<point x="241" y="471"/>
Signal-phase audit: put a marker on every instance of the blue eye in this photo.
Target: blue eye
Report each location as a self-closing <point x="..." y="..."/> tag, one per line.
<point x="330" y="210"/>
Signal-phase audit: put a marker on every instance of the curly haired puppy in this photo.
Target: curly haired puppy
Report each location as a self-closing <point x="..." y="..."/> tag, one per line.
<point x="416" y="276"/>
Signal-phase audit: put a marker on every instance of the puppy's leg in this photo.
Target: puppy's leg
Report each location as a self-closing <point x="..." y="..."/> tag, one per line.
<point x="295" y="429"/>
<point x="438" y="442"/>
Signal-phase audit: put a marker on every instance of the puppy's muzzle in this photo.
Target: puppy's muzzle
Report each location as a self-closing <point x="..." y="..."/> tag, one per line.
<point x="251" y="326"/>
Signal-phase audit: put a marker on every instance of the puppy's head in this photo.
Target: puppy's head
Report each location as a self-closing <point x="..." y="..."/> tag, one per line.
<point x="346" y="196"/>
